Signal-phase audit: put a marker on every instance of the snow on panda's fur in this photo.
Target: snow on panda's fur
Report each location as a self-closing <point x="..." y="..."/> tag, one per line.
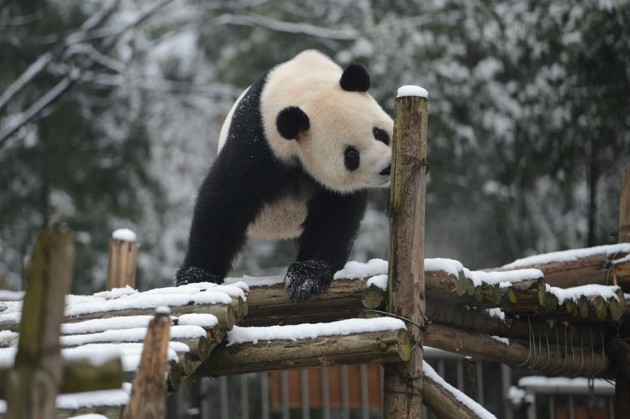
<point x="297" y="153"/>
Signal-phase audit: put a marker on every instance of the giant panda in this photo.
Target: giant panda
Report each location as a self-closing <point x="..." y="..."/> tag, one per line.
<point x="297" y="153"/>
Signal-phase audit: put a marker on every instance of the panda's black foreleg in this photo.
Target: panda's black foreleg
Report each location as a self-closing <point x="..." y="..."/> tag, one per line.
<point x="222" y="213"/>
<point x="326" y="242"/>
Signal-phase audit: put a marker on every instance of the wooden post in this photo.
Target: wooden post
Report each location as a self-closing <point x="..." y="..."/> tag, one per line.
<point x="149" y="388"/>
<point x="123" y="256"/>
<point x="622" y="381"/>
<point x="624" y="208"/>
<point x="403" y="381"/>
<point x="37" y="375"/>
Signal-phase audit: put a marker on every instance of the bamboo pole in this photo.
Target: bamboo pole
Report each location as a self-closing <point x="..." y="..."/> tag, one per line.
<point x="36" y="378"/>
<point x="403" y="381"/>
<point x="619" y="348"/>
<point x="123" y="257"/>
<point x="149" y="388"/>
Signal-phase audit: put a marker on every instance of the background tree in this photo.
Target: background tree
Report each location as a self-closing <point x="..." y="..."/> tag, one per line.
<point x="527" y="137"/>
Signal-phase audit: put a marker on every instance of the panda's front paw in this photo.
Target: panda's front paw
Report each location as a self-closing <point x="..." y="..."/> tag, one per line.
<point x="192" y="274"/>
<point x="307" y="278"/>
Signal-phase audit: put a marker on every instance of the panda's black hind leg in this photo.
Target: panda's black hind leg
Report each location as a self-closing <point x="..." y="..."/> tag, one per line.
<point x="325" y="244"/>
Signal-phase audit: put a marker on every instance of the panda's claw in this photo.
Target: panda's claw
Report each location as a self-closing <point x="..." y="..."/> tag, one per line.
<point x="307" y="278"/>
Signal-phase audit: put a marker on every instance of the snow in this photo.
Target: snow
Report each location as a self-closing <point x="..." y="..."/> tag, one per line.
<point x="125" y="235"/>
<point x="6" y="295"/>
<point x="593" y="290"/>
<point x="564" y="385"/>
<point x="503" y="278"/>
<point x="198" y="319"/>
<point x="95" y="398"/>
<point x="570" y="255"/>
<point x="412" y="90"/>
<point x="7" y="338"/>
<point x="379" y="281"/>
<point x="476" y="408"/>
<point x="131" y="335"/>
<point x="240" y="335"/>
<point x="496" y="312"/>
<point x="451" y="266"/>
<point x="252" y="281"/>
<point x="101" y="325"/>
<point x="162" y="310"/>
<point x="356" y="270"/>
<point x="505" y="341"/>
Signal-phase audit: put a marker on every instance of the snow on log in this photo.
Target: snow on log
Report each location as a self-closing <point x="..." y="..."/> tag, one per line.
<point x="225" y="302"/>
<point x="446" y="401"/>
<point x="254" y="349"/>
<point x="123" y="258"/>
<point x="571" y="268"/>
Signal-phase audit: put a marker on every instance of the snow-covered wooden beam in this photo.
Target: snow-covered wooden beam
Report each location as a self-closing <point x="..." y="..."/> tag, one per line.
<point x="571" y="268"/>
<point x="225" y="302"/>
<point x="81" y="376"/>
<point x="268" y="304"/>
<point x="495" y="322"/>
<point x="538" y="355"/>
<point x="446" y="401"/>
<point x="254" y="349"/>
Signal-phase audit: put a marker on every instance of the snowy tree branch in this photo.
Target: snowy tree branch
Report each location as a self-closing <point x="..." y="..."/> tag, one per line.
<point x="73" y="43"/>
<point x="26" y="77"/>
<point x="288" y="27"/>
<point x="51" y="96"/>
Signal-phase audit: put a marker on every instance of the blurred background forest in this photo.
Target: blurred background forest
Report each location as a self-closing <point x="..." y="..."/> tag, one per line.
<point x="110" y="112"/>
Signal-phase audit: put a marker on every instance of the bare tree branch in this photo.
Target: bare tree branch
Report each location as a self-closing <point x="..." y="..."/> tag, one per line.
<point x="26" y="77"/>
<point x="42" y="61"/>
<point x="87" y="31"/>
<point x="288" y="27"/>
<point x="37" y="107"/>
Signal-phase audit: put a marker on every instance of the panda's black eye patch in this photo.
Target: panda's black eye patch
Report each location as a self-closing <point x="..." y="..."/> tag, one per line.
<point x="351" y="158"/>
<point x="381" y="135"/>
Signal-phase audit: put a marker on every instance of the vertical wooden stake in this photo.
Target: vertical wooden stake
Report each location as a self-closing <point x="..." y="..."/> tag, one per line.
<point x="624" y="208"/>
<point x="149" y="387"/>
<point x="622" y="381"/>
<point x="403" y="381"/>
<point x="36" y="377"/>
<point x="123" y="256"/>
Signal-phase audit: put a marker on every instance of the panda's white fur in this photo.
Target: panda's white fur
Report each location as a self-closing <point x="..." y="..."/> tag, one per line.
<point x="310" y="81"/>
<point x="297" y="152"/>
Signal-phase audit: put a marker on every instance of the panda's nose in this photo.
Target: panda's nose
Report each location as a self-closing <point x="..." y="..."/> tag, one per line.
<point x="386" y="171"/>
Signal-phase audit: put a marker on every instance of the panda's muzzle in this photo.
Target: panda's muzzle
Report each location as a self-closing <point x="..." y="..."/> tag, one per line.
<point x="386" y="171"/>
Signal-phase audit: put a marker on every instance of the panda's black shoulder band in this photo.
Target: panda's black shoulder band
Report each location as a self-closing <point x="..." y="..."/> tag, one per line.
<point x="355" y="78"/>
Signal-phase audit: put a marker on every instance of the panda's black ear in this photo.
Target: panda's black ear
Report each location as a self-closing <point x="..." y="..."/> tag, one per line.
<point x="291" y="121"/>
<point x="355" y="78"/>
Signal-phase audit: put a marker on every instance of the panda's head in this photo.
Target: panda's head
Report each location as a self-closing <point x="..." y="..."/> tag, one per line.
<point x="322" y="116"/>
